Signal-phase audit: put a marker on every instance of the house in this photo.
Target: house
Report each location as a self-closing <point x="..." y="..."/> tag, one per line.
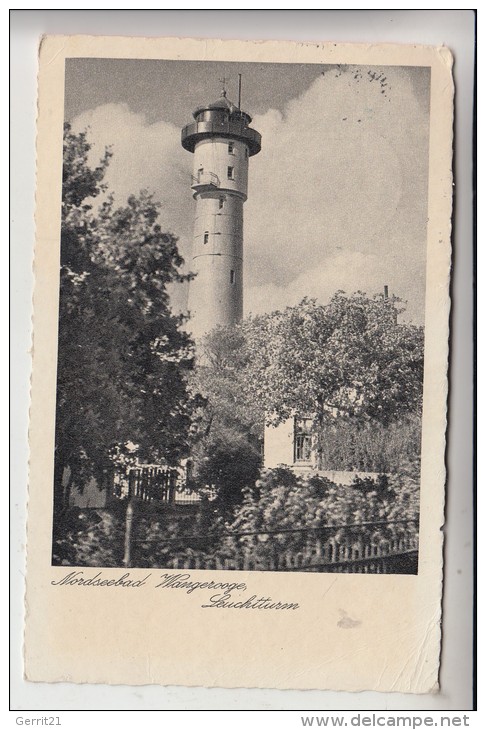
<point x="290" y="444"/>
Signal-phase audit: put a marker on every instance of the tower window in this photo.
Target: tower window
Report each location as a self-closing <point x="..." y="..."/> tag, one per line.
<point x="221" y="202"/>
<point x="230" y="173"/>
<point x="206" y="237"/>
<point x="231" y="148"/>
<point x="232" y="277"/>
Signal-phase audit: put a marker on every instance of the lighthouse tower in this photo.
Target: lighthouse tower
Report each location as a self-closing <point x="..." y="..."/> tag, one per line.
<point x="222" y="143"/>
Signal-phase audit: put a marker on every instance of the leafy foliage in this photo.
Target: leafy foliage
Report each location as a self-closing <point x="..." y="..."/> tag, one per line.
<point x="90" y="537"/>
<point x="272" y="512"/>
<point x="354" y="444"/>
<point x="123" y="358"/>
<point x="349" y="357"/>
<point x="228" y="439"/>
<point x="285" y="501"/>
<point x="349" y="365"/>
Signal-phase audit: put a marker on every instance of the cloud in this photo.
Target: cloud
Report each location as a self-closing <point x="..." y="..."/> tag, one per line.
<point x="337" y="196"/>
<point x="345" y="170"/>
<point x="347" y="271"/>
<point x="145" y="156"/>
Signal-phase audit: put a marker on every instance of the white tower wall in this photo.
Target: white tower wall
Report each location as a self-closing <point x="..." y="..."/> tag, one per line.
<point x="222" y="143"/>
<point x="220" y="184"/>
<point x="214" y="156"/>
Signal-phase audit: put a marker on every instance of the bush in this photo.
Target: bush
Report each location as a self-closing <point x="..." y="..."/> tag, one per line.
<point x="370" y="446"/>
<point x="266" y="524"/>
<point x="90" y="537"/>
<point x="284" y="501"/>
<point x="229" y="465"/>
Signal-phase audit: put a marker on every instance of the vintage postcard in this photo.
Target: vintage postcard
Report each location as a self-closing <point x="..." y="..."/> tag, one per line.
<point x="240" y="364"/>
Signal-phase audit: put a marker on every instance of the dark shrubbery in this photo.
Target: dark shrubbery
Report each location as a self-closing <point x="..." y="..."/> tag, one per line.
<point x="91" y="537"/>
<point x="273" y="511"/>
<point x="370" y="446"/>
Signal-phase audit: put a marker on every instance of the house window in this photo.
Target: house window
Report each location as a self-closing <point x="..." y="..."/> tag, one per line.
<point x="302" y="447"/>
<point x="221" y="202"/>
<point x="230" y="173"/>
<point x="231" y="148"/>
<point x="206" y="237"/>
<point x="302" y="440"/>
<point x="232" y="277"/>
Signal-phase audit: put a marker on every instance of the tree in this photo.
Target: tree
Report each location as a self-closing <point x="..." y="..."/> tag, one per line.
<point x="227" y="447"/>
<point x="350" y="356"/>
<point x="123" y="359"/>
<point x="349" y="365"/>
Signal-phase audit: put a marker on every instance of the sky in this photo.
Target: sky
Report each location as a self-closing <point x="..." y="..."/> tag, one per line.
<point x="337" y="195"/>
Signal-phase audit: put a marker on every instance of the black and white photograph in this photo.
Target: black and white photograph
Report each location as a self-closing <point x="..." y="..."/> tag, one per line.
<point x="242" y="289"/>
<point x="239" y="384"/>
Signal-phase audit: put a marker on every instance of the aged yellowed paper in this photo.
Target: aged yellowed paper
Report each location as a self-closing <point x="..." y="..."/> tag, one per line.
<point x="251" y="497"/>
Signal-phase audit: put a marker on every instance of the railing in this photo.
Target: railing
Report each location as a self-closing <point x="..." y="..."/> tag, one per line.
<point x="229" y="128"/>
<point x="365" y="553"/>
<point x="185" y="496"/>
<point x="154" y="484"/>
<point x="206" y="178"/>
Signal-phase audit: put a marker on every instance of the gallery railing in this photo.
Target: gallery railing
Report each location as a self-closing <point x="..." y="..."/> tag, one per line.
<point x="205" y="179"/>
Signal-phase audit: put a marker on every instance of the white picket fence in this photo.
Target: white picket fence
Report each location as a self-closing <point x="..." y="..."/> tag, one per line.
<point x="348" y="556"/>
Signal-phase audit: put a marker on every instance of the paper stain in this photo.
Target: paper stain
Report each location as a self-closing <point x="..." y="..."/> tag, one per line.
<point x="346" y="622"/>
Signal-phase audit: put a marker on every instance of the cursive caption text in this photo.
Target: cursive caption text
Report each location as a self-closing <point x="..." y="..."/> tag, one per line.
<point x="224" y="594"/>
